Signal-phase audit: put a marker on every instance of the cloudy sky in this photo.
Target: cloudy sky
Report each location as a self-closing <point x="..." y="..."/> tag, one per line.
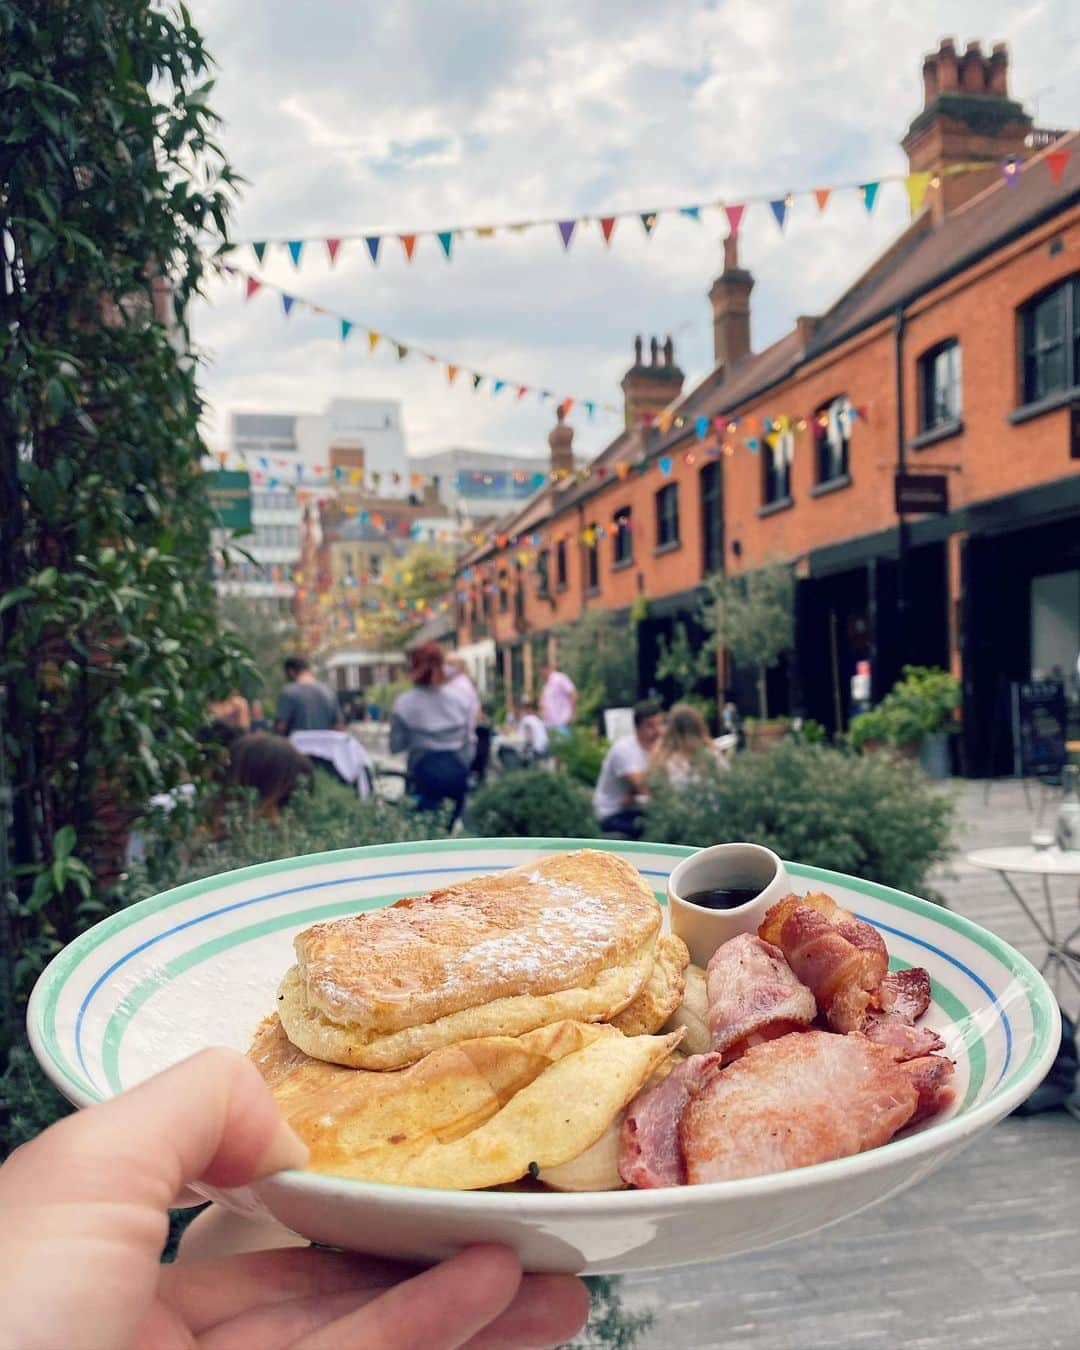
<point x="348" y="116"/>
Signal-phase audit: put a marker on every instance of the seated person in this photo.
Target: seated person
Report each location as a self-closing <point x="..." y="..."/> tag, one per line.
<point x="534" y="735"/>
<point x="684" y="747"/>
<point x="621" y="785"/>
<point x="272" y="766"/>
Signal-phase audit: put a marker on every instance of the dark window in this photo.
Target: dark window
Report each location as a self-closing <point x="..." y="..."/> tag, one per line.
<point x="560" y="564"/>
<point x="712" y="521"/>
<point x="519" y="594"/>
<point x="623" y="535"/>
<point x="543" y="569"/>
<point x="832" y="433"/>
<point x="939" y="386"/>
<point x="667" y="515"/>
<point x="776" y="467"/>
<point x="592" y="559"/>
<point x="504" y="593"/>
<point x="486" y="602"/>
<point x="1051" y="339"/>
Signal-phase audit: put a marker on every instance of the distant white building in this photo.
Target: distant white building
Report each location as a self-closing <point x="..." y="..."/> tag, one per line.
<point x="475" y="484"/>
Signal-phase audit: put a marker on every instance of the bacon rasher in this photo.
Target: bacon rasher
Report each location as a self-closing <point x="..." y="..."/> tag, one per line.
<point x="649" y="1153"/>
<point x="754" y="996"/>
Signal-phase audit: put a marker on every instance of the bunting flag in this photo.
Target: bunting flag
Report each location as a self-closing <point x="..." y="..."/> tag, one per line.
<point x="607" y="227"/>
<point x="253" y="285"/>
<point x="346" y="328"/>
<point x="1010" y="169"/>
<point x="701" y="427"/>
<point x="372" y="339"/>
<point x="476" y="381"/>
<point x="451" y="373"/>
<point x="497" y="386"/>
<point x="408" y="243"/>
<point x="295" y="247"/>
<point x="869" y="192"/>
<point x="821" y="196"/>
<point x="1056" y="160"/>
<point x="734" y="219"/>
<point x="373" y="241"/>
<point x="402" y="350"/>
<point x="566" y="231"/>
<point x="665" y="465"/>
<point x="916" y="184"/>
<point x="780" y="210"/>
<point x="287" y="303"/>
<point x="446" y="238"/>
<point x="691" y="212"/>
<point x="258" y="247"/>
<point x="332" y="247"/>
<point x="648" y="221"/>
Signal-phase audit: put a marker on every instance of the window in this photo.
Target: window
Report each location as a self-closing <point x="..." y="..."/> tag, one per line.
<point x="667" y="515"/>
<point x="776" y="467"/>
<point x="592" y="560"/>
<point x="623" y="536"/>
<point x="1050" y="333"/>
<point x="485" y="602"/>
<point x="560" y="565"/>
<point x="504" y="593"/>
<point x="939" y="387"/>
<point x="347" y="566"/>
<point x="543" y="570"/>
<point x="712" y="521"/>
<point x="832" y="432"/>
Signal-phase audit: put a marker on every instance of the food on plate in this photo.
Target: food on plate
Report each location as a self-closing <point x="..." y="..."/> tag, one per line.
<point x="479" y="1113"/>
<point x="663" y="991"/>
<point x="502" y="1032"/>
<point x="753" y="995"/>
<point x="571" y="937"/>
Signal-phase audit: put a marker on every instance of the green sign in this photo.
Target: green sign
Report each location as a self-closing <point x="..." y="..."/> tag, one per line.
<point x="230" y="496"/>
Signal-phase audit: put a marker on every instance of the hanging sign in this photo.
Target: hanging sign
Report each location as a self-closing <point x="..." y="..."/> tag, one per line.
<point x="922" y="494"/>
<point x="230" y="496"/>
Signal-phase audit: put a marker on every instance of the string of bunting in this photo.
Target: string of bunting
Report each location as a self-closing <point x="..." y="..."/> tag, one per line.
<point x="290" y="303"/>
<point x="568" y="227"/>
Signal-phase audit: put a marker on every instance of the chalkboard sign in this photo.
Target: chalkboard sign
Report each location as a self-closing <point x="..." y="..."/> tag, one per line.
<point x="1039" y="723"/>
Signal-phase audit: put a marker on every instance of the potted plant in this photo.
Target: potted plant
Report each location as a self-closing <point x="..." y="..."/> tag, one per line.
<point x="914" y="719"/>
<point x="762" y="732"/>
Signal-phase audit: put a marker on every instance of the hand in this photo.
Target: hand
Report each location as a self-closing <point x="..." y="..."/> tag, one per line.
<point x="85" y="1214"/>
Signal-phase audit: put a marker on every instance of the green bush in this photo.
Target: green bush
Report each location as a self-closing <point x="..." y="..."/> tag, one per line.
<point x="531" y="802"/>
<point x="872" y="817"/>
<point x="581" y="754"/>
<point x="918" y="705"/>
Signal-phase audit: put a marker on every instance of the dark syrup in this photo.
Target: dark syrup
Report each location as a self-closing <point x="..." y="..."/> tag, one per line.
<point x="720" y="898"/>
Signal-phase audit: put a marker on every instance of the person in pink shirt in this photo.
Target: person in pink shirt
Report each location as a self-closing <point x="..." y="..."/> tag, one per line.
<point x="558" y="699"/>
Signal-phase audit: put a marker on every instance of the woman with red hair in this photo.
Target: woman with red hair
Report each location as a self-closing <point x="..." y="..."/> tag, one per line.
<point x="431" y="724"/>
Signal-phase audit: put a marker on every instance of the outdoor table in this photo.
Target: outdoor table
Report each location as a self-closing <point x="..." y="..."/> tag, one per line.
<point x="1028" y="860"/>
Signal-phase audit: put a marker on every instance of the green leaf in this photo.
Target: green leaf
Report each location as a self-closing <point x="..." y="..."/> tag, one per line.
<point x="64" y="842"/>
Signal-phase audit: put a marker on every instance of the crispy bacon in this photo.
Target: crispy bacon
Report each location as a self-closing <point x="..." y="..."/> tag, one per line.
<point x="930" y="1076"/>
<point x="909" y="1042"/>
<point x="754" y="996"/>
<point x="906" y="993"/>
<point x="839" y="957"/>
<point x="649" y="1153"/>
<point x="802" y="1099"/>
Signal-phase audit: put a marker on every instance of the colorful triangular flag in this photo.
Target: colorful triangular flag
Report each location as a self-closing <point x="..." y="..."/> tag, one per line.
<point x="566" y="231"/>
<point x="451" y="373"/>
<point x="734" y="219"/>
<point x="780" y="209"/>
<point x="295" y="247"/>
<point x="259" y="249"/>
<point x="373" y="241"/>
<point x="346" y="328"/>
<point x="1056" y="160"/>
<point x="253" y="284"/>
<point x="607" y="227"/>
<point x="590" y="408"/>
<point x="869" y="192"/>
<point x="476" y="381"/>
<point x="332" y="246"/>
<point x="648" y="221"/>
<point x="499" y="384"/>
<point x="446" y="238"/>
<point x="485" y="232"/>
<point x="1010" y="169"/>
<point x="287" y="302"/>
<point x="821" y="196"/>
<point x="916" y="184"/>
<point x="694" y="212"/>
<point x="372" y="339"/>
<point x="402" y="350"/>
<point x="523" y="389"/>
<point x="701" y="426"/>
<point x="408" y="243"/>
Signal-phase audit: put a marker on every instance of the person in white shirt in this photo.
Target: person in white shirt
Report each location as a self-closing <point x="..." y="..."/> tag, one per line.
<point x="558" y="699"/>
<point x="459" y="683"/>
<point x="534" y="736"/>
<point x="622" y="775"/>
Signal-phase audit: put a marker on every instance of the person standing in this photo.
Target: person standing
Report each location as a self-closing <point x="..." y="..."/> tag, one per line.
<point x="558" y="700"/>
<point x="305" y="703"/>
<point x="621" y="785"/>
<point x="431" y="725"/>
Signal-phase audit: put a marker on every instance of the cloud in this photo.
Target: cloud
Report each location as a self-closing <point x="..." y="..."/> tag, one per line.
<point x="371" y="116"/>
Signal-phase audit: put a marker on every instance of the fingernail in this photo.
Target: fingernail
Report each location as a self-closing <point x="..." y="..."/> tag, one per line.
<point x="286" y="1149"/>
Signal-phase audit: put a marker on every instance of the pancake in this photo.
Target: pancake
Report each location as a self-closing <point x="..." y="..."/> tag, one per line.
<point x="569" y="937"/>
<point x="472" y="1115"/>
<point x="663" y="991"/>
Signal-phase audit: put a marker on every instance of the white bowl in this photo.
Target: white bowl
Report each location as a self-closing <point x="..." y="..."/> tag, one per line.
<point x="199" y="966"/>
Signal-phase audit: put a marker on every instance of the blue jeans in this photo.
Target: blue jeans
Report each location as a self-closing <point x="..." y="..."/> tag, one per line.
<point x="439" y="776"/>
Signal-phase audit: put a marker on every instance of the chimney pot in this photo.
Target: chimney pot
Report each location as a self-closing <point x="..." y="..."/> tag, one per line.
<point x="654" y="348"/>
<point x="972" y="74"/>
<point x="561" y="442"/>
<point x="669" y="351"/>
<point x="948" y="76"/>
<point x="930" y="80"/>
<point x="637" y="350"/>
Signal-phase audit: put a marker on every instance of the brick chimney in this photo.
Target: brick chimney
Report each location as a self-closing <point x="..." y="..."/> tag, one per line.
<point x="649" y="388"/>
<point x="730" y="300"/>
<point x="967" y="117"/>
<point x="561" y="441"/>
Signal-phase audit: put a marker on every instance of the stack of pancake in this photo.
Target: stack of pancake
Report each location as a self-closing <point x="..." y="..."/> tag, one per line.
<point x="484" y="1033"/>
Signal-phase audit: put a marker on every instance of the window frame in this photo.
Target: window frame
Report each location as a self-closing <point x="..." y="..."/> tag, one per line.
<point x="622" y="538"/>
<point x="1069" y="341"/>
<point x="560" y="565"/>
<point x="668" y="533"/>
<point x="825" y="468"/>
<point x="504" y="592"/>
<point x="769" y="474"/>
<point x="930" y="420"/>
<point x="712" y="522"/>
<point x="592" y="560"/>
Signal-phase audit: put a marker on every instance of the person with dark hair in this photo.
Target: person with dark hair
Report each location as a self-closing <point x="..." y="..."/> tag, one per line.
<point x="621" y="785"/>
<point x="432" y="725"/>
<point x="270" y="765"/>
<point x="305" y="703"/>
<point x="685" y="748"/>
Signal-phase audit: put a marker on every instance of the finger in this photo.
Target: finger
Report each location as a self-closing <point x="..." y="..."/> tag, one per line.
<point x="547" y="1311"/>
<point x="207" y="1293"/>
<point x="441" y="1309"/>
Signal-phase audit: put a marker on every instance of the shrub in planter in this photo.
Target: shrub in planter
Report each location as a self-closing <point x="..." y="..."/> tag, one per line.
<point x="919" y="705"/>
<point x="762" y="732"/>
<point x="532" y="802"/>
<point x="581" y="754"/>
<point x="872" y="816"/>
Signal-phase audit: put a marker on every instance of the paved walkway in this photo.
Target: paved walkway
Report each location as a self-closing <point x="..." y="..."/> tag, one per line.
<point x="985" y="1255"/>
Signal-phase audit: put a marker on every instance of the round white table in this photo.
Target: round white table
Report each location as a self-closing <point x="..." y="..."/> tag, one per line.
<point x="1027" y="860"/>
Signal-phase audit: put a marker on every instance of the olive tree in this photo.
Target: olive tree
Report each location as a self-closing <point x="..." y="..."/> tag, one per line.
<point x="752" y="617"/>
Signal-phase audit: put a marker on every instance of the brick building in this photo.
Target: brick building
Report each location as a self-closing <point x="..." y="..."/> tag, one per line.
<point x="955" y="356"/>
